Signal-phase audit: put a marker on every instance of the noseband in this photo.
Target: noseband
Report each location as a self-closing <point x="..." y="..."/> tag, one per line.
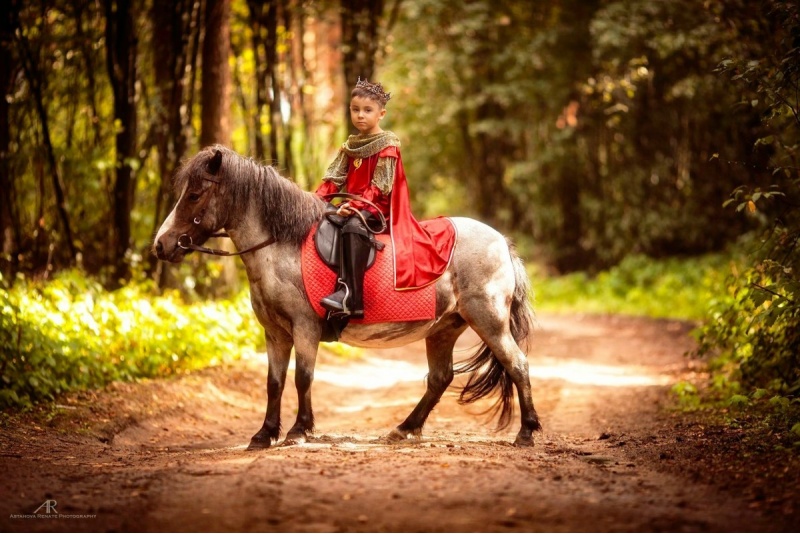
<point x="185" y="240"/>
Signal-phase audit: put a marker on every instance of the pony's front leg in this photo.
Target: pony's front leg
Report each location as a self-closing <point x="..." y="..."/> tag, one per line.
<point x="278" y="353"/>
<point x="306" y="346"/>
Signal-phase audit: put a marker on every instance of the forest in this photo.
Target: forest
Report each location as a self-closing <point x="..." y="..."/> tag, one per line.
<point x="594" y="133"/>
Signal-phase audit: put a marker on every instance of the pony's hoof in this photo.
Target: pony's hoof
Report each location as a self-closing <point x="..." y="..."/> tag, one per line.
<point x="296" y="439"/>
<point x="396" y="436"/>
<point x="262" y="440"/>
<point x="259" y="444"/>
<point x="399" y="436"/>
<point x="523" y="441"/>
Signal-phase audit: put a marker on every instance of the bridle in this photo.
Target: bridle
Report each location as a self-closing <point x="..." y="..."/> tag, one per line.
<point x="190" y="245"/>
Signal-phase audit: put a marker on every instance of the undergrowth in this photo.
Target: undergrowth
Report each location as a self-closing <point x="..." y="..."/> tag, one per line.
<point x="677" y="288"/>
<point x="69" y="334"/>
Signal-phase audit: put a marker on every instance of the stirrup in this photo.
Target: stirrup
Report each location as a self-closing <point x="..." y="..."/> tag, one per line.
<point x="345" y="311"/>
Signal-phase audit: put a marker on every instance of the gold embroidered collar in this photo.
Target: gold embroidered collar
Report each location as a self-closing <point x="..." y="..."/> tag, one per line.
<point x="363" y="146"/>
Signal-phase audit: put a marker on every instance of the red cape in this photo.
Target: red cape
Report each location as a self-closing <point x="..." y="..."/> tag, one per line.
<point x="422" y="251"/>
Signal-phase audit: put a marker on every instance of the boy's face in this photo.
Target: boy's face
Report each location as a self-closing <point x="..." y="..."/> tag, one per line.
<point x="366" y="114"/>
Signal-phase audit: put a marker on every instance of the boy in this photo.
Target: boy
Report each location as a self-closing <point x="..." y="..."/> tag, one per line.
<point x="369" y="165"/>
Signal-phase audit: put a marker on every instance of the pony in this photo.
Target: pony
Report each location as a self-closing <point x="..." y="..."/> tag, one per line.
<point x="267" y="216"/>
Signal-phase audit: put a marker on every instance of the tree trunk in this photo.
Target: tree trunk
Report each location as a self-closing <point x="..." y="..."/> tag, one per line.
<point x="572" y="181"/>
<point x="121" y="63"/>
<point x="288" y="91"/>
<point x="271" y="69"/>
<point x="174" y="26"/>
<point x="215" y="100"/>
<point x="215" y="92"/>
<point x="360" y="43"/>
<point x="258" y="15"/>
<point x="85" y="44"/>
<point x="36" y="80"/>
<point x="9" y="238"/>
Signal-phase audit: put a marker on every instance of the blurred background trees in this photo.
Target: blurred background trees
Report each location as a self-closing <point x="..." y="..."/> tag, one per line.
<point x="587" y="130"/>
<point x="587" y="126"/>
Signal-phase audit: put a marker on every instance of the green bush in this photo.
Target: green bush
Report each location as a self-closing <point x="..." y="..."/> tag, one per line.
<point x="753" y="334"/>
<point x="671" y="288"/>
<point x="69" y="333"/>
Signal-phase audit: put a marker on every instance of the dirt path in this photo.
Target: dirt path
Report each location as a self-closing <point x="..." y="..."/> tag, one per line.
<point x="170" y="455"/>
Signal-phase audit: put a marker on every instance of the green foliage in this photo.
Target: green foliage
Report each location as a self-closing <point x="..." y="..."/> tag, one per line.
<point x="671" y="288"/>
<point x="751" y="339"/>
<point x="70" y="334"/>
<point x="752" y="336"/>
<point x="687" y="394"/>
<point x="582" y="127"/>
<point x="778" y="413"/>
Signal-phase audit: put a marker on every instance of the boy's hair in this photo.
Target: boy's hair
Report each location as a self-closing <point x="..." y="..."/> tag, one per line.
<point x="373" y="91"/>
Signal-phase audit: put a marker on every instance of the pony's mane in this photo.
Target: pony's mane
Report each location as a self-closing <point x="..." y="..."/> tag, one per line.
<point x="287" y="211"/>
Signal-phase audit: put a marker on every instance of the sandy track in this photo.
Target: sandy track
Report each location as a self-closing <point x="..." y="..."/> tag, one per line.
<point x="169" y="455"/>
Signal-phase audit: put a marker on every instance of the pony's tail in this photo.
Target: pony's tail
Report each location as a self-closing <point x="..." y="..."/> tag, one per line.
<point x="487" y="374"/>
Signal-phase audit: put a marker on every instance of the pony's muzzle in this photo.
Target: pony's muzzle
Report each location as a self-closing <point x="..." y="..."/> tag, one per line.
<point x="165" y="252"/>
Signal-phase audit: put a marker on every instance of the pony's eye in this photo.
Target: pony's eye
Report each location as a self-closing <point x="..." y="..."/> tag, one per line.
<point x="194" y="197"/>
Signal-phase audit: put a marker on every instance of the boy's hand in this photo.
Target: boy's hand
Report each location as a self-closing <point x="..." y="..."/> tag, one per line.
<point x="344" y="210"/>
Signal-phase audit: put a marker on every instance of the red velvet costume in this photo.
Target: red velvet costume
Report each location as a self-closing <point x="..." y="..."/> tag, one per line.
<point x="422" y="251"/>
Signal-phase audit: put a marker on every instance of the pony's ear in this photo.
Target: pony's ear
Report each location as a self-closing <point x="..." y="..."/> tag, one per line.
<point x="214" y="163"/>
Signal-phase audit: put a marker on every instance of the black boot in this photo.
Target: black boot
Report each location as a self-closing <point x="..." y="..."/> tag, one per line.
<point x="358" y="255"/>
<point x="349" y="298"/>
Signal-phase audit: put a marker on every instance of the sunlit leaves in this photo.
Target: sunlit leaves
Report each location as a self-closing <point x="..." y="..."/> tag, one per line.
<point x="70" y="334"/>
<point x="671" y="288"/>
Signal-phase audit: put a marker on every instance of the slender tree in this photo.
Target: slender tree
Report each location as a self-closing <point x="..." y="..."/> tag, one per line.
<point x="216" y="76"/>
<point x="215" y="96"/>
<point x="174" y="25"/>
<point x="121" y="64"/>
<point x="9" y="238"/>
<point x="36" y="77"/>
<point x="360" y="20"/>
<point x="264" y="23"/>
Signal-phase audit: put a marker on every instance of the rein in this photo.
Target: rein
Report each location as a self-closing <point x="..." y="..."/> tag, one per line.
<point x="357" y="213"/>
<point x="214" y="251"/>
<point x="217" y="252"/>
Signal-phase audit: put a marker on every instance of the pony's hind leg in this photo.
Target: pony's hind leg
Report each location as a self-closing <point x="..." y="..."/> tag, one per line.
<point x="440" y="374"/>
<point x="508" y="353"/>
<point x="494" y="330"/>
<point x="278" y="353"/>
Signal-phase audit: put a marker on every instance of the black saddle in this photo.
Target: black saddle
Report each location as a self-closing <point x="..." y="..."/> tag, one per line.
<point x="328" y="237"/>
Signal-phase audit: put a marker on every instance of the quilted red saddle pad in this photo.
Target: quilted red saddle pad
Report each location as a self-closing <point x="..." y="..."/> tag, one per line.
<point x="382" y="303"/>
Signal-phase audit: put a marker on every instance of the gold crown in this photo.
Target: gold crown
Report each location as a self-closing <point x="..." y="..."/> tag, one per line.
<point x="374" y="88"/>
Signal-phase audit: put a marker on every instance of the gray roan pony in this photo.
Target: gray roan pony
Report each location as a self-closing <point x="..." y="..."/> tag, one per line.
<point x="267" y="217"/>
